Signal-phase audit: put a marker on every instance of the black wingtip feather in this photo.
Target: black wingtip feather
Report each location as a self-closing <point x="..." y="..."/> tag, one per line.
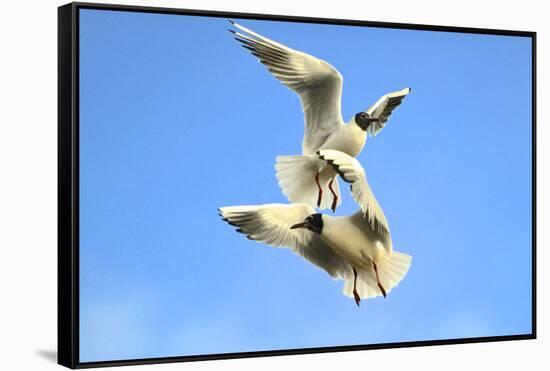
<point x="246" y="46"/>
<point x="231" y="21"/>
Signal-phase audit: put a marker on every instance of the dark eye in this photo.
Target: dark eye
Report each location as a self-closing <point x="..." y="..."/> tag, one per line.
<point x="363" y="115"/>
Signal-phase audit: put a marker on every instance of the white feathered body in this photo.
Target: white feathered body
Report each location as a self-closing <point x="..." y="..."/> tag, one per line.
<point x="350" y="238"/>
<point x="355" y="243"/>
<point x="349" y="139"/>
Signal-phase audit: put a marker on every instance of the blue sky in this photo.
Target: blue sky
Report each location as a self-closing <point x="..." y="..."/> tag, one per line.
<point x="176" y="120"/>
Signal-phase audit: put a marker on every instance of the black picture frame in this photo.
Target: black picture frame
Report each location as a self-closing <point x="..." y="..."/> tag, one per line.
<point x="68" y="183"/>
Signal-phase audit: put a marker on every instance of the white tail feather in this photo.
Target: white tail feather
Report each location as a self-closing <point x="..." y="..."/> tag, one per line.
<point x="391" y="271"/>
<point x="296" y="176"/>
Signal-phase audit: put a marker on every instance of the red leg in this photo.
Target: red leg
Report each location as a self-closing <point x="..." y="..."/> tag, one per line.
<point x="355" y="294"/>
<point x="378" y="279"/>
<point x="320" y="197"/>
<point x="334" y="196"/>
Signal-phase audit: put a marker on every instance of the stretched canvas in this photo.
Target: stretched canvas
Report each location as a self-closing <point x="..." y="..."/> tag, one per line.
<point x="381" y="177"/>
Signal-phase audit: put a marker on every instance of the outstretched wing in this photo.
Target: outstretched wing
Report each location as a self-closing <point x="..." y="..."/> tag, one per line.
<point x="384" y="107"/>
<point x="318" y="84"/>
<point x="351" y="171"/>
<point x="271" y="224"/>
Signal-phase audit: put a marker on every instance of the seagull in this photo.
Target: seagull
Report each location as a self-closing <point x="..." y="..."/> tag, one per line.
<point x="319" y="86"/>
<point x="356" y="248"/>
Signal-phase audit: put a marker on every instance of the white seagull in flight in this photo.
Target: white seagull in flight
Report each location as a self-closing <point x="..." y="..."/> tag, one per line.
<point x="319" y="85"/>
<point x="355" y="248"/>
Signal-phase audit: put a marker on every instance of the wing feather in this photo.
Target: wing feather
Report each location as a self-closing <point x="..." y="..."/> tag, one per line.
<point x="384" y="107"/>
<point x="351" y="171"/>
<point x="318" y="84"/>
<point x="271" y="224"/>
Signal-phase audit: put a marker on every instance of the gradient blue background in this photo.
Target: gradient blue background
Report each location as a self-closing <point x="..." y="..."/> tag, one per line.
<point x="176" y="120"/>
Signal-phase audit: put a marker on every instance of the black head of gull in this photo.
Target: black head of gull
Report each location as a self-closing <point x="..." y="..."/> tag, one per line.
<point x="364" y="120"/>
<point x="313" y="222"/>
